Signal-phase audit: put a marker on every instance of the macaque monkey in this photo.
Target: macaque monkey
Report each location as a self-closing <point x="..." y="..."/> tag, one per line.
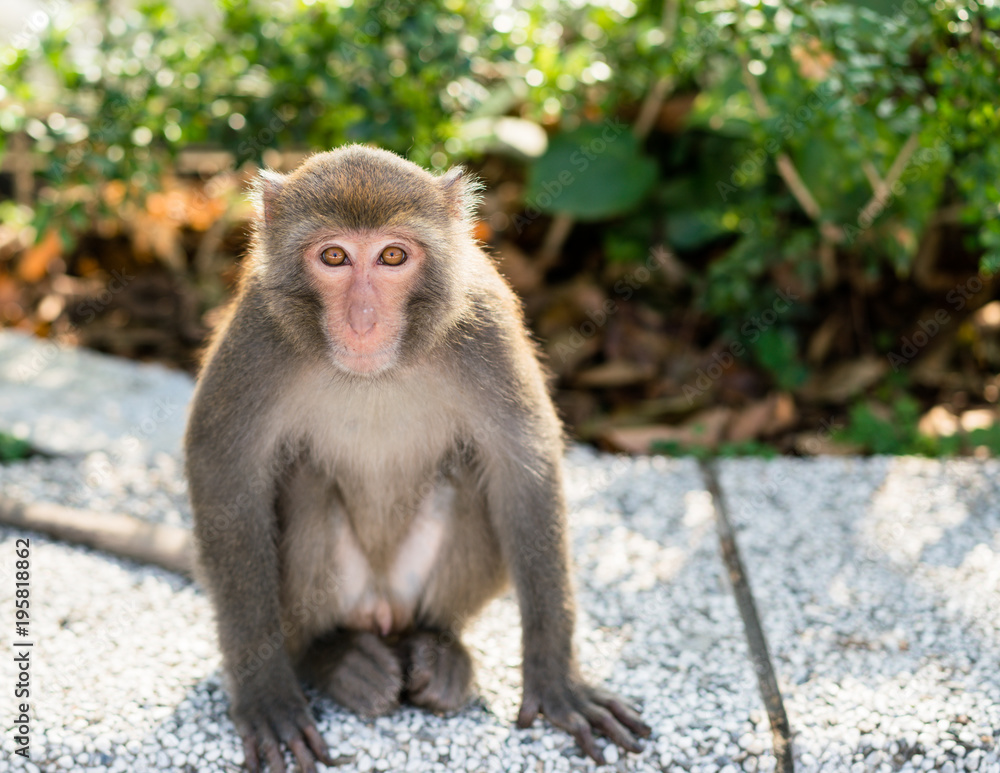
<point x="372" y="455"/>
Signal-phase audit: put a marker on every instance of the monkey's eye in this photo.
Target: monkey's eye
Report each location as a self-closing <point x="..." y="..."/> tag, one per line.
<point x="393" y="256"/>
<point x="333" y="256"/>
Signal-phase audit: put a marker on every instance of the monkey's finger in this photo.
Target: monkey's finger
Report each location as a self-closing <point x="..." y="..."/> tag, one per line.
<point x="272" y="751"/>
<point x="294" y="733"/>
<point x="578" y="727"/>
<point x="307" y="763"/>
<point x="259" y="743"/>
<point x="627" y="716"/>
<point x="603" y="720"/>
<point x="317" y="744"/>
<point x="250" y="753"/>
<point x="529" y="711"/>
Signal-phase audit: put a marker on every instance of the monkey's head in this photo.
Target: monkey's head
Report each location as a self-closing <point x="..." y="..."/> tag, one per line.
<point x="362" y="255"/>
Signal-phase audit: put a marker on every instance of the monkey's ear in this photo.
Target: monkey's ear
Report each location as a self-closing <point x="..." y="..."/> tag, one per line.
<point x="266" y="190"/>
<point x="462" y="191"/>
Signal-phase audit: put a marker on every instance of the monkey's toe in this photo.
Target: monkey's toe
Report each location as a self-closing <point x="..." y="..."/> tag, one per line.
<point x="438" y="671"/>
<point x="358" y="670"/>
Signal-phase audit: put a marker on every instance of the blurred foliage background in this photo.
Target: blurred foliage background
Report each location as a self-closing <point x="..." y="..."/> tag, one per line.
<point x="737" y="226"/>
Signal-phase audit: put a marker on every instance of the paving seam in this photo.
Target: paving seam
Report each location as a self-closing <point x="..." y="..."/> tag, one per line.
<point x="756" y="641"/>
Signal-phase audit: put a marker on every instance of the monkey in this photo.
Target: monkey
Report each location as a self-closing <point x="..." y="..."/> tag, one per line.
<point x="372" y="455"/>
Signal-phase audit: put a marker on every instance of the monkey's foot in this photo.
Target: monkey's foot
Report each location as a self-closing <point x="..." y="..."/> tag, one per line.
<point x="438" y="671"/>
<point x="358" y="670"/>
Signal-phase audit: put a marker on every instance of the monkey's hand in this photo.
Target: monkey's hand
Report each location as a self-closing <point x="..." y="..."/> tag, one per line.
<point x="580" y="709"/>
<point x="271" y="714"/>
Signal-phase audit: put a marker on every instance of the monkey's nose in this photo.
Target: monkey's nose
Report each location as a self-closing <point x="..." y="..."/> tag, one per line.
<point x="361" y="319"/>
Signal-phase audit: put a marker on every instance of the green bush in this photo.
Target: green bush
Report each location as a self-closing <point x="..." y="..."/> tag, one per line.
<point x="844" y="95"/>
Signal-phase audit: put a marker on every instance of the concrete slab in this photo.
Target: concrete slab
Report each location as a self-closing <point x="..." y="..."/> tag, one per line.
<point x="878" y="582"/>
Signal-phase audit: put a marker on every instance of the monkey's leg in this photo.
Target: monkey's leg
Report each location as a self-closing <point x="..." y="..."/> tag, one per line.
<point x="469" y="572"/>
<point x="437" y="670"/>
<point x="357" y="669"/>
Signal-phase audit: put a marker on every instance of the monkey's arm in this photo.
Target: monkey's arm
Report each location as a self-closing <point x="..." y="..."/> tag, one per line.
<point x="528" y="512"/>
<point x="231" y="467"/>
<point x="524" y="493"/>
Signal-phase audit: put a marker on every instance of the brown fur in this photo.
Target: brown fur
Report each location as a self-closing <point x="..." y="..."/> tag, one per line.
<point x="344" y="517"/>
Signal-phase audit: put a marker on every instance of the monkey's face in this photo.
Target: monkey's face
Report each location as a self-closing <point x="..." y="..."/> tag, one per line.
<point x="364" y="280"/>
<point x="363" y="255"/>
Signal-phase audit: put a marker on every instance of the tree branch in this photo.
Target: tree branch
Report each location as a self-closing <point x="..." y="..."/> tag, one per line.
<point x="783" y="161"/>
<point x="877" y="202"/>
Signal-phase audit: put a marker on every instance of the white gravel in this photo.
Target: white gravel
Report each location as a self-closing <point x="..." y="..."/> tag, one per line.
<point x="878" y="582"/>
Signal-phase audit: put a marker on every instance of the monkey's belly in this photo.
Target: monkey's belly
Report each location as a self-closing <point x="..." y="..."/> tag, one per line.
<point x="330" y="581"/>
<point x="387" y="603"/>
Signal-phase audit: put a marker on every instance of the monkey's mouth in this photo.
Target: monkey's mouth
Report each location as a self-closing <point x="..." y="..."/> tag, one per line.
<point x="365" y="361"/>
<point x="367" y="353"/>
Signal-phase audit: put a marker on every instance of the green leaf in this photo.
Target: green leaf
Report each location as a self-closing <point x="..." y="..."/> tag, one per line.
<point x="12" y="448"/>
<point x="777" y="351"/>
<point x="592" y="173"/>
<point x="884" y="7"/>
<point x="690" y="229"/>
